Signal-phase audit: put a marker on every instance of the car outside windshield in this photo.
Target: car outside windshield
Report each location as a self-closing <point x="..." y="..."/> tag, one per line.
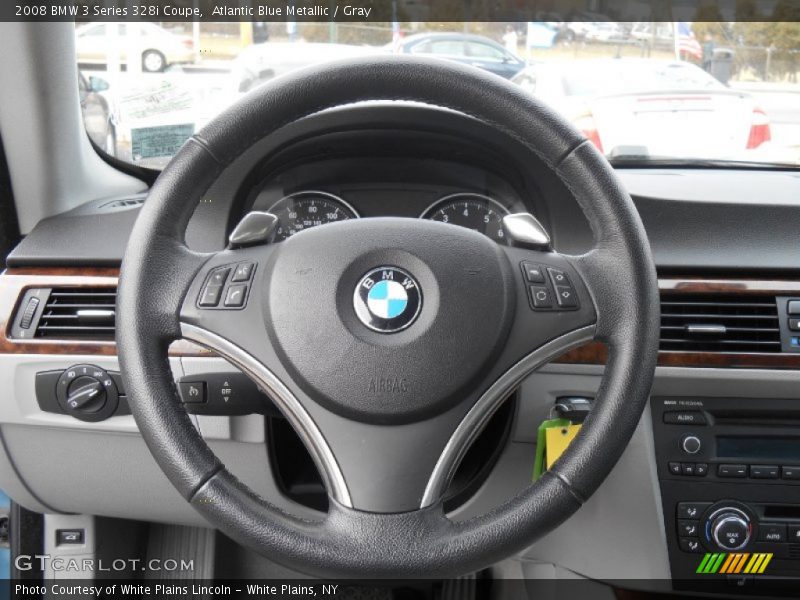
<point x="642" y="92"/>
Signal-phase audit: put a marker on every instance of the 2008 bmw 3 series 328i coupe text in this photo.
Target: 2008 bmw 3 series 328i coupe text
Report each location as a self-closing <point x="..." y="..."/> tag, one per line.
<point x="367" y="298"/>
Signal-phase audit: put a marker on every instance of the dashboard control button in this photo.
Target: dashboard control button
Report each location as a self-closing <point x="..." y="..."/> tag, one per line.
<point x="793" y="534"/>
<point x="69" y="537"/>
<point x="235" y="296"/>
<point x="687" y="469"/>
<point x="567" y="298"/>
<point x="794" y="324"/>
<point x="688" y="528"/>
<point x="243" y="272"/>
<point x="793" y="307"/>
<point x="211" y="295"/>
<point x="533" y="273"/>
<point x="772" y="532"/>
<point x="691" y="444"/>
<point x="86" y="394"/>
<point x="219" y="276"/>
<point x="764" y="471"/>
<point x="559" y="278"/>
<point x="691" y="510"/>
<point x="790" y="472"/>
<point x="737" y="471"/>
<point x="541" y="297"/>
<point x="27" y="315"/>
<point x="675" y="468"/>
<point x="701" y="469"/>
<point x="684" y="417"/>
<point x="523" y="230"/>
<point x="193" y="392"/>
<point x="690" y="545"/>
<point x="730" y="529"/>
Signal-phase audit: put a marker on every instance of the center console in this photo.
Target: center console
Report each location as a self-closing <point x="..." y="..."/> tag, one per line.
<point x="729" y="472"/>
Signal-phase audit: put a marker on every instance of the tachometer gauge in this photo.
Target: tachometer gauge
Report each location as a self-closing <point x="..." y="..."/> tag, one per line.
<point x="303" y="210"/>
<point x="474" y="211"/>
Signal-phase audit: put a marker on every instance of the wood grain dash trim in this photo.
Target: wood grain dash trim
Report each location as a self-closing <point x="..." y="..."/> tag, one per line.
<point x="15" y="281"/>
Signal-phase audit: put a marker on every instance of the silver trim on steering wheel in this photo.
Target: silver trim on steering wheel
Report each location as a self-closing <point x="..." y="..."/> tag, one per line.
<point x="488" y="403"/>
<point x="459" y="442"/>
<point x="286" y="401"/>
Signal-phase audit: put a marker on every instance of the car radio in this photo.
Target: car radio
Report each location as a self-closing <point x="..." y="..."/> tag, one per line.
<point x="729" y="470"/>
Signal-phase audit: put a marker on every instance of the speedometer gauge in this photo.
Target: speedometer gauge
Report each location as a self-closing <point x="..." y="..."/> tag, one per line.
<point x="303" y="210"/>
<point x="474" y="211"/>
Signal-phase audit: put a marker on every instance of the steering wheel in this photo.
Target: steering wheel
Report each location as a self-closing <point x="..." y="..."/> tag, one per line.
<point x="388" y="342"/>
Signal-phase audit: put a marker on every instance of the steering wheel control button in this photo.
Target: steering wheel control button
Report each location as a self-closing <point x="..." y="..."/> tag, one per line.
<point x="732" y="471"/>
<point x="193" y="392"/>
<point x="691" y="444"/>
<point x="219" y="276"/>
<point x="559" y="278"/>
<point x="541" y="297"/>
<point x="567" y="298"/>
<point x="235" y="296"/>
<point x="387" y="299"/>
<point x="533" y="273"/>
<point x="243" y="272"/>
<point x="211" y="295"/>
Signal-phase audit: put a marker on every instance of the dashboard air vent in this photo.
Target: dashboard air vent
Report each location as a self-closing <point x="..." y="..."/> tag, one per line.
<point x="719" y="323"/>
<point x="85" y="313"/>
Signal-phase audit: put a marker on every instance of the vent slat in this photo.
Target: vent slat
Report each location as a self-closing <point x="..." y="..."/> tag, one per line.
<point x="84" y="313"/>
<point x="719" y="323"/>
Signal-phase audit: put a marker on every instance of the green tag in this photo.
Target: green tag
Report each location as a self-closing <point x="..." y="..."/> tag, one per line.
<point x="541" y="444"/>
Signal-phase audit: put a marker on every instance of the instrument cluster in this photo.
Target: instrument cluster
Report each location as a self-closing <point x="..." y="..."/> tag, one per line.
<point x="311" y="208"/>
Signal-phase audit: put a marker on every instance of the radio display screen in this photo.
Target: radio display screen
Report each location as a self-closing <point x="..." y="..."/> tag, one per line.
<point x="771" y="448"/>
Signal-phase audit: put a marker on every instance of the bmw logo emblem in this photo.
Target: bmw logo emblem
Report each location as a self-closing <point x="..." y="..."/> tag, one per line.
<point x="387" y="299"/>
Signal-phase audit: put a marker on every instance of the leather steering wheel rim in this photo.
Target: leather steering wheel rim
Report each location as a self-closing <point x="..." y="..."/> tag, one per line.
<point x="158" y="269"/>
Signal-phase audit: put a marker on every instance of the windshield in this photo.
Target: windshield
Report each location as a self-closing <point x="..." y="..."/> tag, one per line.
<point x="639" y="91"/>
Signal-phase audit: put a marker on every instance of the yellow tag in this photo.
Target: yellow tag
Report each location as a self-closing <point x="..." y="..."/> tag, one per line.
<point x="557" y="439"/>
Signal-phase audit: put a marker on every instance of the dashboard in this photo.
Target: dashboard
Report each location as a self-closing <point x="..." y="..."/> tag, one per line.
<point x="724" y="239"/>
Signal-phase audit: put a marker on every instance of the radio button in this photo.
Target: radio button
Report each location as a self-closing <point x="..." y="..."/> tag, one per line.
<point x="738" y="471"/>
<point x="691" y="444"/>
<point x="688" y="469"/>
<point x="764" y="471"/>
<point x="790" y="472"/>
<point x="684" y="417"/>
<point x="691" y="510"/>
<point x="771" y="532"/>
<point x="701" y="469"/>
<point x="675" y="468"/>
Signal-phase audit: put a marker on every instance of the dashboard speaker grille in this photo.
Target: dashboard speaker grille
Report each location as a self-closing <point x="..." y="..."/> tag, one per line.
<point x="85" y="313"/>
<point x="719" y="323"/>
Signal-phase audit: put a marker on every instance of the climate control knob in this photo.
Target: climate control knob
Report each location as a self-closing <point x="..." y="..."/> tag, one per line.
<point x="730" y="528"/>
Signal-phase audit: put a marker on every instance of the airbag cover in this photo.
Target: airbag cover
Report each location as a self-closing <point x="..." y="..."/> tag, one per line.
<point x="467" y="305"/>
